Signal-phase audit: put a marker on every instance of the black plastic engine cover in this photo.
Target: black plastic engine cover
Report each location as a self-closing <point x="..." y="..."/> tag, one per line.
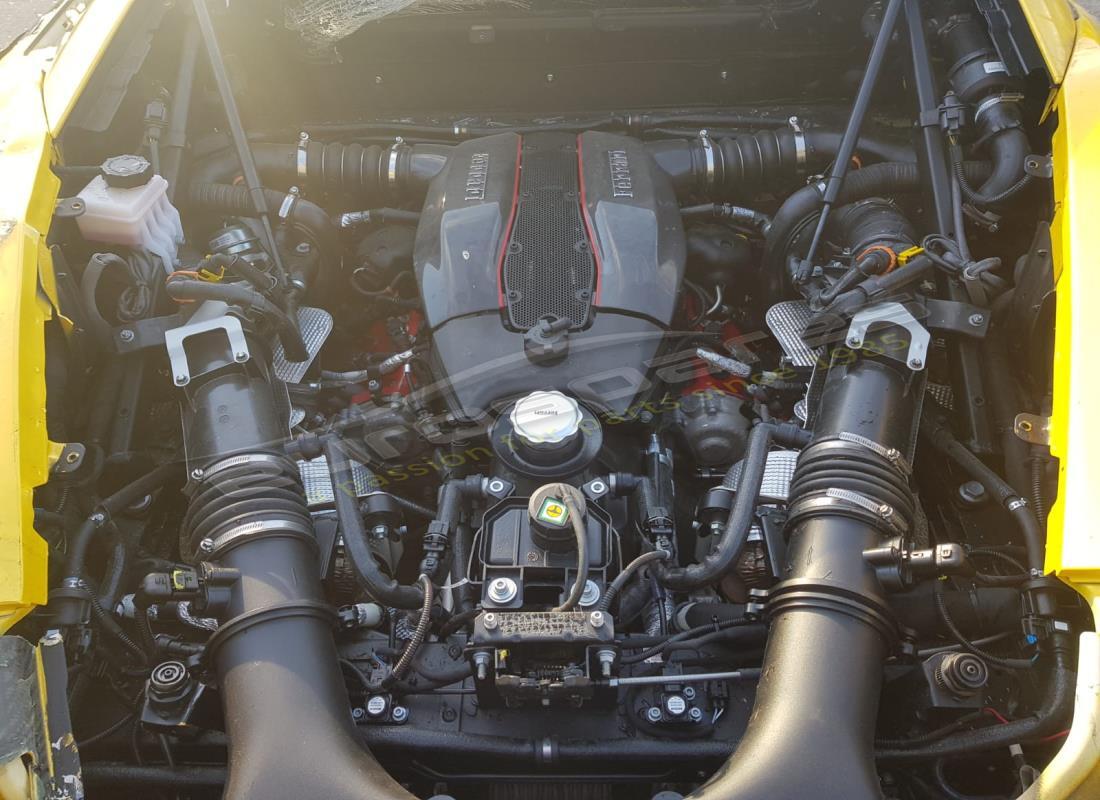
<point x="583" y="229"/>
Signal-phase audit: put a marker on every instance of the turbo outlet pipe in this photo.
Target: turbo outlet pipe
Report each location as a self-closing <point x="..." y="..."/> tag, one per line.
<point x="812" y="730"/>
<point x="247" y="515"/>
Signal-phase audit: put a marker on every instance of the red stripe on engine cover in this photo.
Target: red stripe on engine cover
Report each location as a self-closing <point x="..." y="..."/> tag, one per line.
<point x="508" y="228"/>
<point x="588" y="227"/>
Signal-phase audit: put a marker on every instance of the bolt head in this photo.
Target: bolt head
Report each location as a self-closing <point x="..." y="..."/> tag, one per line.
<point x="976" y="319"/>
<point x="695" y="714"/>
<point x="181" y="380"/>
<point x="591" y="594"/>
<point x="689" y="692"/>
<point x="126" y="335"/>
<point x="489" y="621"/>
<point x="503" y="590"/>
<point x="399" y="714"/>
<point x="596" y="619"/>
<point x="357" y="713"/>
<point x="916" y="363"/>
<point x="653" y="714"/>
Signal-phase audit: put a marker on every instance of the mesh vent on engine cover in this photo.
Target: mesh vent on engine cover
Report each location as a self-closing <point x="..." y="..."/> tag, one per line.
<point x="549" y="268"/>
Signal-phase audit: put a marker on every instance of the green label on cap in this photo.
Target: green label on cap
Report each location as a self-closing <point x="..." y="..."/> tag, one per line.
<point x="553" y="512"/>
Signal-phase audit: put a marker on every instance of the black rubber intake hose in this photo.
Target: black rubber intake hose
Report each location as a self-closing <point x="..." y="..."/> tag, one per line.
<point x="368" y="572"/>
<point x="307" y="218"/>
<point x="274" y="654"/>
<point x="394" y="173"/>
<point x="793" y="223"/>
<point x="721" y="559"/>
<point x="738" y="166"/>
<point x="977" y="75"/>
<point x="811" y="732"/>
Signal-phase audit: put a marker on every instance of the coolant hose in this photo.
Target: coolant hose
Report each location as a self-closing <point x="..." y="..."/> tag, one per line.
<point x="274" y="654"/>
<point x="720" y="560"/>
<point x="378" y="585"/>
<point x="941" y="438"/>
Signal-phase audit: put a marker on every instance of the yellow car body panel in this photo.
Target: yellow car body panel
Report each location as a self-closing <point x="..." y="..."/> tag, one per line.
<point x="40" y="84"/>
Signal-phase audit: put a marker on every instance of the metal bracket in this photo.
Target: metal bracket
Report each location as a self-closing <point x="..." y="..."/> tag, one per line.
<point x="896" y="314"/>
<point x="1039" y="166"/>
<point x="175" y="338"/>
<point x="1032" y="428"/>
<point x="69" y="458"/>
<point x="955" y="317"/>
<point x="69" y="207"/>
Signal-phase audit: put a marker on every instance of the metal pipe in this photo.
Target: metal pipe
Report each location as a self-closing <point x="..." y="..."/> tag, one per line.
<point x="236" y="128"/>
<point x="855" y="121"/>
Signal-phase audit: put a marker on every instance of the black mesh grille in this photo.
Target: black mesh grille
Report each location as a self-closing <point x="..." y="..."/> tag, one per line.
<point x="548" y="266"/>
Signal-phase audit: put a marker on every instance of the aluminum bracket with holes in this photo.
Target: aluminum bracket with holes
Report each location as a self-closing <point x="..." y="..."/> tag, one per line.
<point x="891" y="314"/>
<point x="1032" y="428"/>
<point x="175" y="338"/>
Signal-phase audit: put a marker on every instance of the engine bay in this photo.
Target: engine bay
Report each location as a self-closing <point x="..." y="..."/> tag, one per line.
<point x="558" y="400"/>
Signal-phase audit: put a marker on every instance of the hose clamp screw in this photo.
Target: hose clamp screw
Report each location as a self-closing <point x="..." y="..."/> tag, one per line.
<point x="207" y="545"/>
<point x="197" y="473"/>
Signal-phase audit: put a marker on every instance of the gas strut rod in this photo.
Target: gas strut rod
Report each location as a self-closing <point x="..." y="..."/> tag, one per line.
<point x="236" y="128"/>
<point x="851" y="132"/>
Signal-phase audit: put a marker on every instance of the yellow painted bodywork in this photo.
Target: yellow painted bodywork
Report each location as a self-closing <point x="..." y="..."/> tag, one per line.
<point x="39" y="86"/>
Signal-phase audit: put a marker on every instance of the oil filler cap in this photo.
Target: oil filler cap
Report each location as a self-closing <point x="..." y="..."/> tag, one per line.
<point x="546" y="420"/>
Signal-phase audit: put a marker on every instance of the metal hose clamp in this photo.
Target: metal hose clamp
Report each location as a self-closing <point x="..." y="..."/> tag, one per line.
<point x="799" y="143"/>
<point x="992" y="100"/>
<point x="391" y="170"/>
<point x="708" y="156"/>
<point x="302" y="156"/>
<point x="286" y="208"/>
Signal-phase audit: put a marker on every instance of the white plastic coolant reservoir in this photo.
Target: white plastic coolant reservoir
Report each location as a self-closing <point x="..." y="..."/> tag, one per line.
<point x="127" y="205"/>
